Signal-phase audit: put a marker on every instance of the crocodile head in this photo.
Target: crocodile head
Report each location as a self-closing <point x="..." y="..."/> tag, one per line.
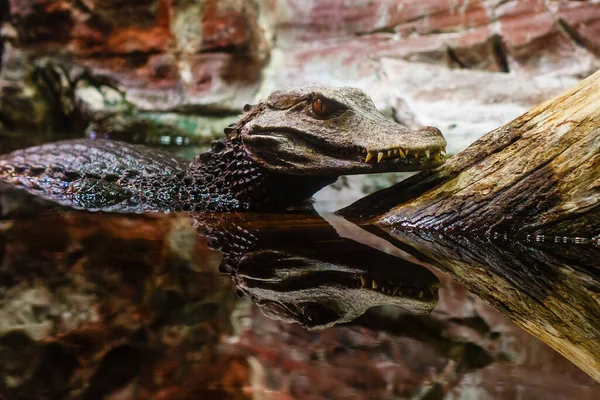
<point x="318" y="130"/>
<point x="279" y="154"/>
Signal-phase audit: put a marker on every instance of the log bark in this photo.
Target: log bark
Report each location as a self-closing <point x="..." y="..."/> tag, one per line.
<point x="538" y="174"/>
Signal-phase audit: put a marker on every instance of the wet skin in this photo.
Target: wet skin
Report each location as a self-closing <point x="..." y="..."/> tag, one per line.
<point x="279" y="154"/>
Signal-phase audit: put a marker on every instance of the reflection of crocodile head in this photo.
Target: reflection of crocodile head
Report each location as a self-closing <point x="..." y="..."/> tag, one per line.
<point x="298" y="269"/>
<point x="319" y="294"/>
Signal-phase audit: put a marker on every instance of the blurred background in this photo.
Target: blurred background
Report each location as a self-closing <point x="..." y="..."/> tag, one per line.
<point x="188" y="66"/>
<point x="174" y="73"/>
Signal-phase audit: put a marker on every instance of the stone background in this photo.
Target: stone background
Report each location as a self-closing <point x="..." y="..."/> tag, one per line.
<point x="186" y="67"/>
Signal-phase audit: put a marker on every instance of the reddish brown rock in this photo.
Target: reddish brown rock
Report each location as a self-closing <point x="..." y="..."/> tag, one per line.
<point x="443" y="16"/>
<point x="152" y="44"/>
<point x="327" y="19"/>
<point x="42" y="21"/>
<point x="212" y="57"/>
<point x="120" y="41"/>
<point x="532" y="37"/>
<point x="227" y="26"/>
<point x="582" y="22"/>
<point x="522" y="22"/>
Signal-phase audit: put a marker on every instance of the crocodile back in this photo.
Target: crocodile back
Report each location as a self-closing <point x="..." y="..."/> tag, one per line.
<point x="91" y="174"/>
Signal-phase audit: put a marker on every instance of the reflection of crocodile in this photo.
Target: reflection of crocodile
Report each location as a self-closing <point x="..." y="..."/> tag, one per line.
<point x="298" y="269"/>
<point x="279" y="153"/>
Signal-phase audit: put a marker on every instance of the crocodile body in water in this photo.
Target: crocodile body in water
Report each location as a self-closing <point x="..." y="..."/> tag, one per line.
<point x="279" y="154"/>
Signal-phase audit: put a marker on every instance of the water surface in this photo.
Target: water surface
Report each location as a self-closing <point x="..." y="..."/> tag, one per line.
<point x="143" y="307"/>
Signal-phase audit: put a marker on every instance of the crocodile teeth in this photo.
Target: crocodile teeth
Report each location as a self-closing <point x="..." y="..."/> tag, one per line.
<point x="395" y="292"/>
<point x="421" y="294"/>
<point x="434" y="154"/>
<point x="374" y="284"/>
<point x="363" y="281"/>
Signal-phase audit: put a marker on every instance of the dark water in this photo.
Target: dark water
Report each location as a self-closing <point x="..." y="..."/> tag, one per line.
<point x="282" y="306"/>
<point x="108" y="306"/>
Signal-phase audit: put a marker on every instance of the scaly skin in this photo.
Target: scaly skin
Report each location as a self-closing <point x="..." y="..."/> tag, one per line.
<point x="279" y="154"/>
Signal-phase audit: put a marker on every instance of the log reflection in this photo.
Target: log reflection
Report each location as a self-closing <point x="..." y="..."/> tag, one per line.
<point x="549" y="288"/>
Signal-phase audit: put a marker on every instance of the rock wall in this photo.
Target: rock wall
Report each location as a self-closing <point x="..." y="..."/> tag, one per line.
<point x="186" y="67"/>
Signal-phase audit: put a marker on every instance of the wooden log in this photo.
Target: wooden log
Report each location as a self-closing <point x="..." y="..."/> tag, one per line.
<point x="539" y="173"/>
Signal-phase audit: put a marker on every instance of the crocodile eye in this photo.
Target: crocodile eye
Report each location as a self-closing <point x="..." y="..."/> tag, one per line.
<point x="323" y="108"/>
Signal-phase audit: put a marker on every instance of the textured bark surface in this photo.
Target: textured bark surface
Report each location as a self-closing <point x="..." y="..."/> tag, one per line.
<point x="538" y="174"/>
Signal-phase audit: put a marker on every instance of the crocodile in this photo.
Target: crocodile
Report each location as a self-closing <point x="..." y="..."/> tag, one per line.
<point x="279" y="153"/>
